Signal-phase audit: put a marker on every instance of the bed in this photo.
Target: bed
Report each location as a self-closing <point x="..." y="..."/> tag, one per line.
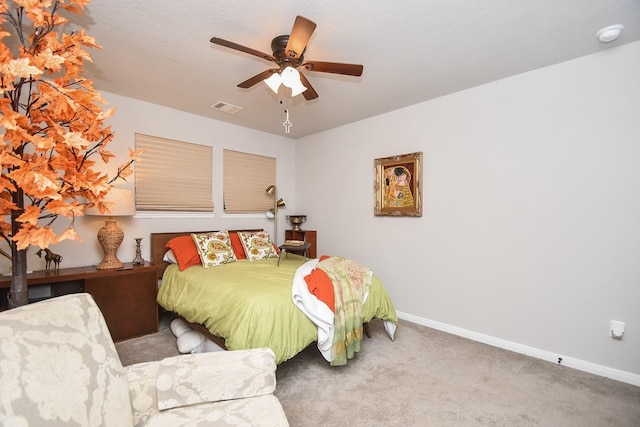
<point x="249" y="304"/>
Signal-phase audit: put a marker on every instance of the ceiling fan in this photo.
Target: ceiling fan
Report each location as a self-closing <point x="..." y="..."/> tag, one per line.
<point x="288" y="54"/>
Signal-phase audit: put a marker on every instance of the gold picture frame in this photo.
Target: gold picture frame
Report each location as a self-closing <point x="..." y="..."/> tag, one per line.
<point x="398" y="185"/>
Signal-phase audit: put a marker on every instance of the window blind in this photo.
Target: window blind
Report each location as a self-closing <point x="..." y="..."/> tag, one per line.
<point x="173" y="175"/>
<point x="246" y="177"/>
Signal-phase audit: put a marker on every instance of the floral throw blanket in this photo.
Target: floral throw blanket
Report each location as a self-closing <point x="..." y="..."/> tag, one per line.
<point x="351" y="282"/>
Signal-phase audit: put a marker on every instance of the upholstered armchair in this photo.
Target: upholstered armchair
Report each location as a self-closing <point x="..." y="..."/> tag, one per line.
<point x="58" y="365"/>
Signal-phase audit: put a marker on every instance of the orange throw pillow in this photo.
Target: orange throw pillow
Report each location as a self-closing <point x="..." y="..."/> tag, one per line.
<point x="236" y="244"/>
<point x="185" y="251"/>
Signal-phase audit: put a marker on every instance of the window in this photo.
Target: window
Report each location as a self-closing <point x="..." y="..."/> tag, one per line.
<point x="173" y="175"/>
<point x="246" y="178"/>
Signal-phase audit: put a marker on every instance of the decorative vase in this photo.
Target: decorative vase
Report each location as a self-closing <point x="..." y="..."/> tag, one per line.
<point x="296" y="221"/>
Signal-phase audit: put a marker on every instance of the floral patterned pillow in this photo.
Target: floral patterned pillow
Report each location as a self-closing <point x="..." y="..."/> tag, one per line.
<point x="214" y="248"/>
<point x="257" y="245"/>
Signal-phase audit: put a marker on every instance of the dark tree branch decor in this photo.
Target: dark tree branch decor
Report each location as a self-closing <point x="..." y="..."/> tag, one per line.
<point x="52" y="127"/>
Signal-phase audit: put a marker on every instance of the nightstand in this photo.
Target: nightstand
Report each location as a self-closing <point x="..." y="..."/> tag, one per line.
<point x="307" y="236"/>
<point x="299" y="249"/>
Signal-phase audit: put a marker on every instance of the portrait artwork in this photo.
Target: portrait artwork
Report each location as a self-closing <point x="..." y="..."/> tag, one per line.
<point x="398" y="186"/>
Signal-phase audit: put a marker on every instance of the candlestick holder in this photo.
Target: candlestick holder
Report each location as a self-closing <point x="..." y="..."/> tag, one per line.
<point x="138" y="260"/>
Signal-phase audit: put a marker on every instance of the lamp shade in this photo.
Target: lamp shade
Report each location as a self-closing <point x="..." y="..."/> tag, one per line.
<point x="271" y="190"/>
<point x="298" y="89"/>
<point x="122" y="203"/>
<point x="290" y="77"/>
<point x="274" y="82"/>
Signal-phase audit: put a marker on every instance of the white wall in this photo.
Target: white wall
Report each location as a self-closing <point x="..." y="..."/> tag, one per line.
<point x="135" y="116"/>
<point x="531" y="226"/>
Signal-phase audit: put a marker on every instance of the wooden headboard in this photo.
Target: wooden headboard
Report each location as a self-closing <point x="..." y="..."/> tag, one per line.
<point x="160" y="240"/>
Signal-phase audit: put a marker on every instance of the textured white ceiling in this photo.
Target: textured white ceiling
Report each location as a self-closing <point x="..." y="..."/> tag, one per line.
<point x="412" y="51"/>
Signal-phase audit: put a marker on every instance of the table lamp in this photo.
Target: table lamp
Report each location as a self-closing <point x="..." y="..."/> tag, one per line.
<point x="110" y="236"/>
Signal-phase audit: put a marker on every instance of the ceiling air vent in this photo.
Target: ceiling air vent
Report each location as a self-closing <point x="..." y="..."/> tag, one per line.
<point x="226" y="107"/>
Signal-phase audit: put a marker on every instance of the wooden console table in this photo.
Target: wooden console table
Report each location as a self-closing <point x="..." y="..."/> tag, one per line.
<point x="126" y="296"/>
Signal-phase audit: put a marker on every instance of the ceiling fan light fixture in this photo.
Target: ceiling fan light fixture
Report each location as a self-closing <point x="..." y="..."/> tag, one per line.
<point x="288" y="52"/>
<point x="290" y="77"/>
<point x="274" y="82"/>
<point x="298" y="89"/>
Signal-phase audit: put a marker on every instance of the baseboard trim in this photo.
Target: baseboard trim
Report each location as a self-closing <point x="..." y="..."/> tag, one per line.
<point x="581" y="365"/>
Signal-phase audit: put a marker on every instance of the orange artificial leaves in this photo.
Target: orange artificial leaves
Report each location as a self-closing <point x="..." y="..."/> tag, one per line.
<point x="52" y="124"/>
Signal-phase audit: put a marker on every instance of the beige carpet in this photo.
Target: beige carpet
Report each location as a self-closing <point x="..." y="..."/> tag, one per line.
<point x="430" y="378"/>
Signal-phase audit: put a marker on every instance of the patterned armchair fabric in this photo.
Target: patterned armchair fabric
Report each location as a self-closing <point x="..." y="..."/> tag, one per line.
<point x="59" y="366"/>
<point x="178" y="388"/>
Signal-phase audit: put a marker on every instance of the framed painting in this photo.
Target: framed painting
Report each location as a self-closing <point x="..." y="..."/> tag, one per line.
<point x="398" y="185"/>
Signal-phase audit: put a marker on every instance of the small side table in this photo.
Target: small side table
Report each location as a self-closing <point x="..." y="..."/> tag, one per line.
<point x="295" y="249"/>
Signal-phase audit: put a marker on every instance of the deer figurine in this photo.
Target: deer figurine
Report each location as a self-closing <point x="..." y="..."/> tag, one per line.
<point x="49" y="258"/>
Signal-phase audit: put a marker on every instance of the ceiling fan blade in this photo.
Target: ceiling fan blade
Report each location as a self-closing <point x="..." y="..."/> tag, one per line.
<point x="236" y="46"/>
<point x="300" y="35"/>
<point x="310" y="93"/>
<point x="334" y="67"/>
<point x="257" y="78"/>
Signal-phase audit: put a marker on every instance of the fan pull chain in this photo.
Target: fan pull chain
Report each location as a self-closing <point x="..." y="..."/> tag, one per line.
<point x="287" y="124"/>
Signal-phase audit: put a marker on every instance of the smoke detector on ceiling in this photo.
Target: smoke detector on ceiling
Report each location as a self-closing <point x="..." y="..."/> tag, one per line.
<point x="610" y="33"/>
<point x="226" y="107"/>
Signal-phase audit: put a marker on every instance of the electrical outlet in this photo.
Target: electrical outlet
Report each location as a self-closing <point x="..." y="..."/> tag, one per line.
<point x="616" y="330"/>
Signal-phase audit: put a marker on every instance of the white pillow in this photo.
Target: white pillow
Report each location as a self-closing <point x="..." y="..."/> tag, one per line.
<point x="170" y="257"/>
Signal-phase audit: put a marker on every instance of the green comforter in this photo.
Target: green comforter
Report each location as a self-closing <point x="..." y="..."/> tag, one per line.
<point x="249" y="304"/>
